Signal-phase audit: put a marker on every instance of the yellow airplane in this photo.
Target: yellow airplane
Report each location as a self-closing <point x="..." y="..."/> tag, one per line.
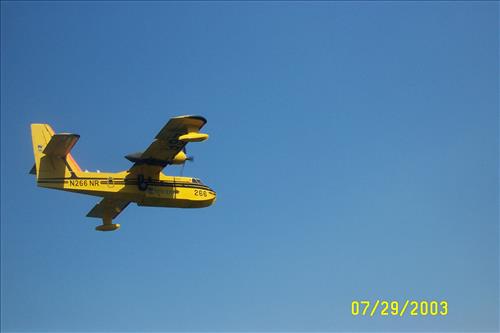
<point x="144" y="183"/>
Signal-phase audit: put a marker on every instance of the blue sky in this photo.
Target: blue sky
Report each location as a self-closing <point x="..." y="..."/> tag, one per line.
<point x="353" y="147"/>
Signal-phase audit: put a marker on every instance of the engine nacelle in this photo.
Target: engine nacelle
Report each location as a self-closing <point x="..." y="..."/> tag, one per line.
<point x="180" y="158"/>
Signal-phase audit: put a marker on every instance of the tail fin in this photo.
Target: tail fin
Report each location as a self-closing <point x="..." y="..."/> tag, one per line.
<point x="52" y="157"/>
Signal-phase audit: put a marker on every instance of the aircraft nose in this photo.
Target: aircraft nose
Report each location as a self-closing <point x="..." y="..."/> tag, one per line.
<point x="213" y="195"/>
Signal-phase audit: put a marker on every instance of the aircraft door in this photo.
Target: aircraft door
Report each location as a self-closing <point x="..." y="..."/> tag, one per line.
<point x="174" y="189"/>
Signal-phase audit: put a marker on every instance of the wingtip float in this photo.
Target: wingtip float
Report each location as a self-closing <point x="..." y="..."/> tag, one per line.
<point x="144" y="183"/>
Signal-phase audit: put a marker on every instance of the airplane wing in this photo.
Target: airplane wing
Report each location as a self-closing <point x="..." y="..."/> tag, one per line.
<point x="108" y="208"/>
<point x="170" y="141"/>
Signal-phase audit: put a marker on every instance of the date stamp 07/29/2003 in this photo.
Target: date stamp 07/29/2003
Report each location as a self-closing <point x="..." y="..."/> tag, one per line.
<point x="400" y="309"/>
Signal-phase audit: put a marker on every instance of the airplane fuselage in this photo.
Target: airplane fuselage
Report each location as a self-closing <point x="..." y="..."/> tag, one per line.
<point x="159" y="191"/>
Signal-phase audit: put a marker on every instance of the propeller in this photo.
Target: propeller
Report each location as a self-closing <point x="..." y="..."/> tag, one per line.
<point x="188" y="158"/>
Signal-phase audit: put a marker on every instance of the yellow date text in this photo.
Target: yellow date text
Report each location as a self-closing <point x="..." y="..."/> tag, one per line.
<point x="396" y="308"/>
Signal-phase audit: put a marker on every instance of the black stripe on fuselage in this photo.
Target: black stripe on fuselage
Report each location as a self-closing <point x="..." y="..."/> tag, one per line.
<point x="127" y="182"/>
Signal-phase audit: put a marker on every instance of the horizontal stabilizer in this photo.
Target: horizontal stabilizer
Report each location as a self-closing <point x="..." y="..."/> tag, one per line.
<point x="60" y="144"/>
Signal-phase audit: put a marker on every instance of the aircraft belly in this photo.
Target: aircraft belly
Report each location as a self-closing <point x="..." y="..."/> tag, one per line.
<point x="161" y="196"/>
<point x="174" y="203"/>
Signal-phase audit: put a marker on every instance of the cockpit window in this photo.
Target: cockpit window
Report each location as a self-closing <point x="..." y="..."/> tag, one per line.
<point x="196" y="180"/>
